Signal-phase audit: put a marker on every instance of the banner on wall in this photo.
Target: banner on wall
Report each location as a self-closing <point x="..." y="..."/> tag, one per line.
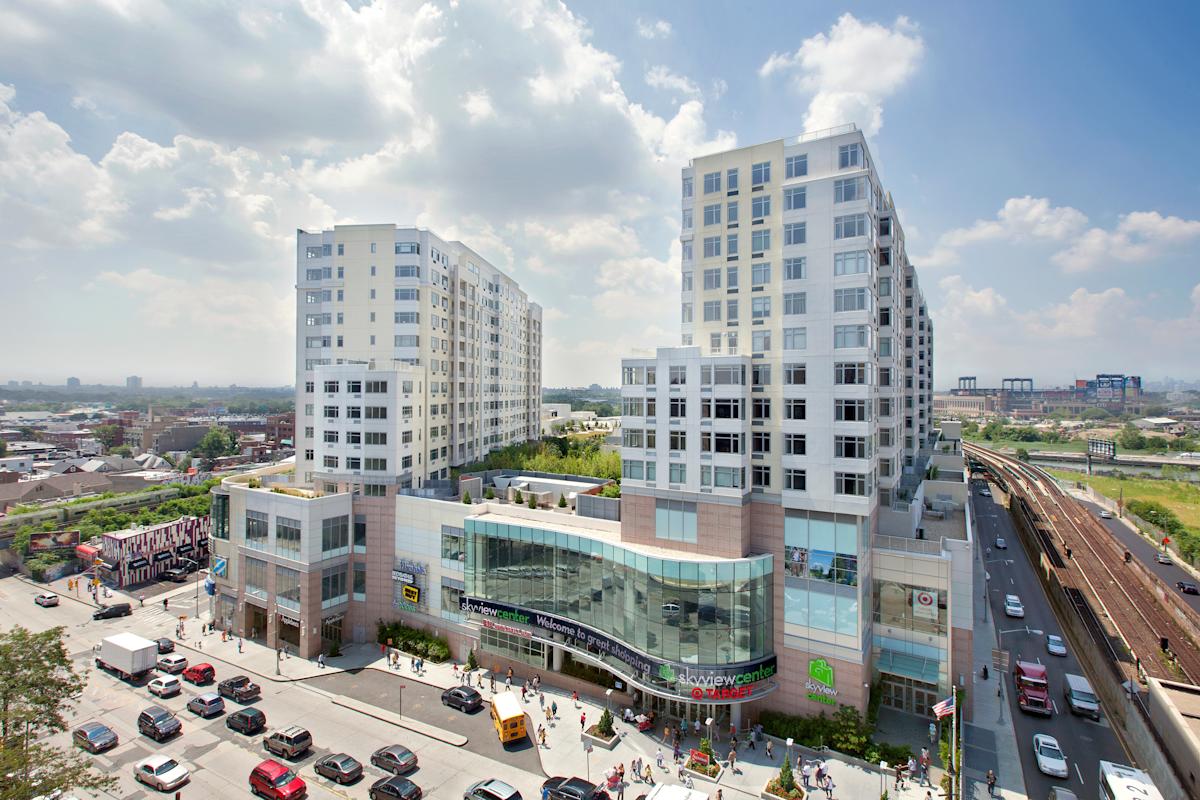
<point x="925" y="604"/>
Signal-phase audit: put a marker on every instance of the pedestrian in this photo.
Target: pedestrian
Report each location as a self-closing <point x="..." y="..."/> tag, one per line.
<point x="321" y="660"/>
<point x="720" y="796"/>
<point x="666" y="733"/>
<point x="696" y="725"/>
<point x="547" y="709"/>
<point x="806" y="774"/>
<point x="658" y="757"/>
<point x="829" y="787"/>
<point x="575" y="698"/>
<point x="554" y="708"/>
<point x="583" y="721"/>
<point x="733" y="741"/>
<point x="991" y="783"/>
<point x="479" y="679"/>
<point x="523" y="693"/>
<point x="635" y="767"/>
<point x="733" y="760"/>
<point x="752" y="737"/>
<point x="164" y="604"/>
<point x="928" y="795"/>
<point x="141" y="600"/>
<point x="648" y="775"/>
<point x="239" y="644"/>
<point x="621" y="771"/>
<point x="910" y="769"/>
<point x="899" y="777"/>
<point x="621" y="789"/>
<point x="509" y="675"/>
<point x="508" y="684"/>
<point x="492" y="681"/>
<point x="732" y="728"/>
<point x="821" y="770"/>
<point x="455" y="668"/>
<point x="678" y="752"/>
<point x="420" y="665"/>
<point x="541" y="700"/>
<point x="770" y="754"/>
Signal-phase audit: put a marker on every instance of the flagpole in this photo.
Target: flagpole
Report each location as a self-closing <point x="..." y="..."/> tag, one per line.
<point x="953" y="745"/>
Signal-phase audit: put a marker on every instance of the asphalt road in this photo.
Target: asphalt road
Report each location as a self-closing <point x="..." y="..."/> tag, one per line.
<point x="1084" y="741"/>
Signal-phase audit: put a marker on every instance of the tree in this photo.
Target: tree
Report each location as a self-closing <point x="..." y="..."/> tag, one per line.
<point x="518" y="497"/>
<point x="993" y="430"/>
<point x="1022" y="454"/>
<point x="605" y="726"/>
<point x="562" y="501"/>
<point x="1156" y="411"/>
<point x="1130" y="438"/>
<point x="532" y="500"/>
<point x="38" y="685"/>
<point x="786" y="779"/>
<point x="488" y="494"/>
<point x="217" y="442"/>
<point x="107" y="435"/>
<point x="121" y="450"/>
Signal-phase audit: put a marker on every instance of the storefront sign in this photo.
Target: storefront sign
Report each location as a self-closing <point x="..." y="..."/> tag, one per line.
<point x="165" y="555"/>
<point x="924" y="604"/>
<point x="202" y="541"/>
<point x="733" y="682"/>
<point x="403" y="577"/>
<point x="138" y="563"/>
<point x="405" y="565"/>
<point x="820" y="682"/>
<point x="333" y="618"/>
<point x="183" y="548"/>
<point x="220" y="566"/>
<point x="698" y="756"/>
<point x="509" y="629"/>
<point x="412" y="594"/>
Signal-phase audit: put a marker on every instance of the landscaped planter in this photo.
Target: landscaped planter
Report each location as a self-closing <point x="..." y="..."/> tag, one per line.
<point x="777" y="794"/>
<point x="599" y="741"/>
<point x="714" y="778"/>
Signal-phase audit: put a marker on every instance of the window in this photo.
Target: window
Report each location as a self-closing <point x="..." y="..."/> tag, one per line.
<point x="330" y="462"/>
<point x="731" y="341"/>
<point x="255" y="572"/>
<point x="685" y="311"/>
<point x="760" y="341"/>
<point x="687" y="219"/>
<point x="795" y="480"/>
<point x="687" y="282"/>
<point x="712" y="214"/>
<point x="796" y="166"/>
<point x="795" y="374"/>
<point x="795" y="408"/>
<point x="333" y="586"/>
<point x="731" y="244"/>
<point x="712" y="310"/>
<point x="688" y="253"/>
<point x="360" y="582"/>
<point x="849" y="373"/>
<point x="795" y="198"/>
<point x="408" y="341"/>
<point x="850" y="336"/>
<point x="760" y="241"/>
<point x="852" y="263"/>
<point x="712" y="182"/>
<point x="850" y="447"/>
<point x="852" y="299"/>
<point x="795" y="444"/>
<point x="631" y="437"/>
<point x="408" y="271"/>
<point x="360" y="527"/>
<point x="731" y="179"/>
<point x="678" y="407"/>
<point x="632" y="469"/>
<point x="731" y="212"/>
<point x="760" y="274"/>
<point x="675" y="520"/>
<point x="731" y="310"/>
<point x="885" y="226"/>
<point x="731" y="277"/>
<point x="287" y="587"/>
<point x="375" y="464"/>
<point x="795" y="338"/>
<point x="714" y="342"/>
<point x="712" y="246"/>
<point x="321" y="273"/>
<point x="760" y="477"/>
<point x="408" y="248"/>
<point x="377" y="387"/>
<point x="729" y="375"/>
<point x="885" y="257"/>
<point x="407" y="317"/>
<point x="408" y="294"/>
<point x="885" y="410"/>
<point x="849" y="155"/>
<point x="761" y="408"/>
<point x="256" y="530"/>
<point x="847" y="190"/>
<point x="849" y="226"/>
<point x="353" y="412"/>
<point x="678" y="375"/>
<point x="885" y="320"/>
<point x="795" y="233"/>
<point x="852" y="483"/>
<point x="760" y="442"/>
<point x="335" y="536"/>
<point x="795" y="269"/>
<point x="678" y="473"/>
<point x="728" y="477"/>
<point x="687" y="187"/>
<point x="712" y="278"/>
<point x="760" y="173"/>
<point x="850" y="410"/>
<point x="313" y="320"/>
<point x="795" y="303"/>
<point x="632" y="407"/>
<point x="760" y="206"/>
<point x="760" y="374"/>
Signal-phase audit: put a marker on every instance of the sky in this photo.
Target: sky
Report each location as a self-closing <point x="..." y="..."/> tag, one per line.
<point x="157" y="158"/>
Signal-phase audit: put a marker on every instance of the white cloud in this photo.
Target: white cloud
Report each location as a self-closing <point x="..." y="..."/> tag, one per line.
<point x="1084" y="315"/>
<point x="653" y="29"/>
<point x="583" y="236"/>
<point x="661" y="77"/>
<point x="478" y="106"/>
<point x="1139" y="236"/>
<point x="1021" y="219"/>
<point x="206" y="302"/>
<point x="851" y="70"/>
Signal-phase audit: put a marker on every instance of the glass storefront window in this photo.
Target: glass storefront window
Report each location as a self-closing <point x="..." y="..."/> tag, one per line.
<point x="287" y="587"/>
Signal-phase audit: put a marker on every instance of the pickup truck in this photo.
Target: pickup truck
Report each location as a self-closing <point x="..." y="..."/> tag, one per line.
<point x="1032" y="687"/>
<point x="239" y="688"/>
<point x="128" y="655"/>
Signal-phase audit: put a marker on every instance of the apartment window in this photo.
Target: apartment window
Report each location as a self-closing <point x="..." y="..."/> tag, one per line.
<point x="678" y="473"/>
<point x="795" y="198"/>
<point x="852" y="483"/>
<point x="760" y="341"/>
<point x="849" y="155"/>
<point x="850" y="336"/>
<point x="631" y="437"/>
<point x="256" y="530"/>
<point x="851" y="263"/>
<point x="376" y="412"/>
<point x="731" y="244"/>
<point x="688" y="253"/>
<point x="714" y="342"/>
<point x="408" y="341"/>
<point x="678" y="407"/>
<point x="407" y="248"/>
<point x="632" y="469"/>
<point x="712" y="246"/>
<point x="408" y="271"/>
<point x="846" y="190"/>
<point x="335" y="536"/>
<point x="731" y="212"/>
<point x="651" y="436"/>
<point x="849" y="226"/>
<point x="333" y="586"/>
<point x="760" y="477"/>
<point x="313" y="320"/>
<point x="795" y="303"/>
<point x="885" y="257"/>
<point x="376" y="387"/>
<point x="795" y="444"/>
<point x="760" y="442"/>
<point x="885" y="410"/>
<point x="678" y="441"/>
<point x="796" y="166"/>
<point x="795" y="408"/>
<point x="407" y="317"/>
<point x="712" y="182"/>
<point x="321" y="273"/>
<point x="760" y="374"/>
<point x="795" y="338"/>
<point x="353" y="412"/>
<point x="795" y="480"/>
<point x="408" y="294"/>
<point x="760" y="408"/>
<point x="712" y="310"/>
<point x="678" y="375"/>
<point x="731" y="179"/>
<point x="850" y="447"/>
<point x="712" y="214"/>
<point x="731" y="341"/>
<point x="360" y="582"/>
<point x="760" y="173"/>
<point x="685" y="310"/>
<point x="885" y="376"/>
<point x="885" y="226"/>
<point x="729" y="376"/>
<point x="795" y="269"/>
<point x="287" y="587"/>
<point x="632" y="407"/>
<point x="795" y="233"/>
<point x="712" y="279"/>
<point x="330" y="437"/>
<point x="760" y="241"/>
<point x="375" y="464"/>
<point x="760" y="206"/>
<point x="353" y="437"/>
<point x="731" y="310"/>
<point x="651" y="406"/>
<point x="795" y="374"/>
<point x="376" y="437"/>
<point x="687" y="282"/>
<point x="331" y="412"/>
<point x="687" y="219"/>
<point x="687" y="187"/>
<point x="846" y="374"/>
<point x="727" y="442"/>
<point x="851" y="299"/>
<point x="885" y="320"/>
<point x="728" y="477"/>
<point x="255" y="572"/>
<point x="675" y="520"/>
<point x="316" y="341"/>
<point x="850" y="410"/>
<point x="330" y="462"/>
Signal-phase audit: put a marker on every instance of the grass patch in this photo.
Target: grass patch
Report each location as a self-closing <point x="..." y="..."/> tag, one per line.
<point x="1179" y="496"/>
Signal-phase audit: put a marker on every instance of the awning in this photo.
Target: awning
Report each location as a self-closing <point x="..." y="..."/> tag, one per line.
<point x="136" y="563"/>
<point x="915" y="667"/>
<point x="183" y="548"/>
<point x="165" y="555"/>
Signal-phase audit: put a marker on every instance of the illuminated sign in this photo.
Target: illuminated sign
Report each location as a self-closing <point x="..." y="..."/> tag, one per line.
<point x="403" y="577"/>
<point x="509" y="629"/>
<point x="820" y="682"/>
<point x="412" y="594"/>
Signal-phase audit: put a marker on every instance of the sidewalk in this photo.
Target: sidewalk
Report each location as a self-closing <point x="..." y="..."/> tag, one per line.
<point x="990" y="741"/>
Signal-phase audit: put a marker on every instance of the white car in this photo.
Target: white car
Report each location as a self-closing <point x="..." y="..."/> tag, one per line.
<point x="1001" y="543"/>
<point x="1105" y="514"/>
<point x="172" y="663"/>
<point x="1055" y="645"/>
<point x="165" y="686"/>
<point x="162" y="772"/>
<point x="1050" y="757"/>
<point x="1013" y="606"/>
<point x="1162" y="557"/>
<point x="46" y="599"/>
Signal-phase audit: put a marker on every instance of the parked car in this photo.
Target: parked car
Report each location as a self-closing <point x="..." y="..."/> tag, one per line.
<point x="491" y="789"/>
<point x="464" y="698"/>
<point x="394" y="787"/>
<point x="1055" y="645"/>
<point x="1050" y="757"/>
<point x="1187" y="587"/>
<point x="239" y="688"/>
<point x="199" y="673"/>
<point x="1013" y="606"/>
<point x="1162" y="557"/>
<point x="206" y="705"/>
<point x="274" y="781"/>
<point x="165" y="686"/>
<point x="165" y="646"/>
<point x="339" y="767"/>
<point x="395" y="758"/>
<point x="158" y="723"/>
<point x="174" y="574"/>
<point x="95" y="737"/>
<point x="247" y="720"/>
<point x="172" y="663"/>
<point x="288" y="742"/>
<point x="1001" y="543"/>
<point x="1105" y="514"/>
<point x="161" y="772"/>
<point x="571" y="789"/>
<point x="46" y="599"/>
<point x="113" y="611"/>
<point x="986" y="491"/>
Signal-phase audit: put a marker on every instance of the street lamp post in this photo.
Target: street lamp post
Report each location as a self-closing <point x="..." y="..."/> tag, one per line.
<point x="400" y="707"/>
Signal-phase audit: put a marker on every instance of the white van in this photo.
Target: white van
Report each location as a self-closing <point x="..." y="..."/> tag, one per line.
<point x="1080" y="696"/>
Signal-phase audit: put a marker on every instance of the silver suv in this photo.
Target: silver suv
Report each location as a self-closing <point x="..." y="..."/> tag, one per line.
<point x="288" y="742"/>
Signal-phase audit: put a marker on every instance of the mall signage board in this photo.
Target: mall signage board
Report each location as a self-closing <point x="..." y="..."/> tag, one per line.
<point x="820" y="683"/>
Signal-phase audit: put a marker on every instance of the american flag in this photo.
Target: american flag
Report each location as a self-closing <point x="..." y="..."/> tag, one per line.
<point x="944" y="708"/>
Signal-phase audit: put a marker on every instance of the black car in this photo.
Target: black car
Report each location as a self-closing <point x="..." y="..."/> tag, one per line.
<point x="339" y="767"/>
<point x="393" y="787"/>
<point x="174" y="574"/>
<point x="572" y="789"/>
<point x="247" y="720"/>
<point x="239" y="688"/>
<point x="95" y="737"/>
<point x="464" y="698"/>
<point x="395" y="758"/>
<point x="158" y="723"/>
<point x="115" y="610"/>
<point x="165" y="645"/>
<point x="1187" y="587"/>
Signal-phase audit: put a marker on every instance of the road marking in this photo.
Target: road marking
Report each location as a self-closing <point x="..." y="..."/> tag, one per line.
<point x="1077" y="772"/>
<point x="1010" y="580"/>
<point x="1052" y="703"/>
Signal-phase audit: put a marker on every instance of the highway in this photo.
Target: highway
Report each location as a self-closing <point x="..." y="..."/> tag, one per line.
<point x="1011" y="572"/>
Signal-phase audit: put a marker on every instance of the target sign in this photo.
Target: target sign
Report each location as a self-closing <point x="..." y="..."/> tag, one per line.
<point x="925" y="604"/>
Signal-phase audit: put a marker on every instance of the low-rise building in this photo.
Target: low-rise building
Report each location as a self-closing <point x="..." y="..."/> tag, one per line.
<point x="140" y="555"/>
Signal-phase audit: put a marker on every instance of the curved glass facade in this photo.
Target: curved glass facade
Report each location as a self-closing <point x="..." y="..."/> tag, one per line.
<point x="702" y="613"/>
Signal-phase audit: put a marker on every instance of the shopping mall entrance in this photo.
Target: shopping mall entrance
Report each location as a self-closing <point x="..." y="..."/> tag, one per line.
<point x="256" y="623"/>
<point x="908" y="694"/>
<point x="668" y="711"/>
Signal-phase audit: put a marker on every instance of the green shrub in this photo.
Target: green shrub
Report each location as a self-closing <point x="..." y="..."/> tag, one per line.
<point x="604" y="727"/>
<point x="562" y="501"/>
<point x="787" y="781"/>
<point x="488" y="494"/>
<point x="466" y="498"/>
<point x="533" y="501"/>
<point x="413" y="640"/>
<point x="472" y="662"/>
<point x="518" y="497"/>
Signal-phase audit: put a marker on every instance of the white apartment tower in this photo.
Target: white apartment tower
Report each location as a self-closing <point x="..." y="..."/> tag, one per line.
<point x="459" y="341"/>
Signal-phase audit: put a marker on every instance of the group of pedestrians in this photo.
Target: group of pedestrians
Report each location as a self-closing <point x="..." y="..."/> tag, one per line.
<point x="816" y="773"/>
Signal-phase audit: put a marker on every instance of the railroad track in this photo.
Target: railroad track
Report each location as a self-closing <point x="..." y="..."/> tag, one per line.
<point x="1129" y="605"/>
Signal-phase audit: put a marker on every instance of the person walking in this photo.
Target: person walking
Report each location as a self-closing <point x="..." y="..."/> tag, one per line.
<point x="733" y="761"/>
<point x="991" y="783"/>
<point x="829" y="787"/>
<point x="677" y="751"/>
<point x="554" y="708"/>
<point x="770" y="752"/>
<point x="806" y="775"/>
<point x="523" y="692"/>
<point x="910" y="770"/>
<point x="583" y="721"/>
<point x="321" y="660"/>
<point x="575" y="698"/>
<point x="648" y="775"/>
<point x="492" y="681"/>
<point x="239" y="644"/>
<point x="696" y="725"/>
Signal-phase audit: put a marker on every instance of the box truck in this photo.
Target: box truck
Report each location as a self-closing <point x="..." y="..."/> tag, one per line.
<point x="128" y="655"/>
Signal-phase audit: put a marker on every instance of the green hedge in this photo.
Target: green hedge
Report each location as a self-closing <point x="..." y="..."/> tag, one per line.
<point x="413" y="640"/>
<point x="845" y="732"/>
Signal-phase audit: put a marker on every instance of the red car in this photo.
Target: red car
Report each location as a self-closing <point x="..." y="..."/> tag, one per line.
<point x="274" y="781"/>
<point x="199" y="673"/>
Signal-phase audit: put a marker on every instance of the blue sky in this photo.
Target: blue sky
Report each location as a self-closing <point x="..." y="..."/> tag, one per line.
<point x="155" y="163"/>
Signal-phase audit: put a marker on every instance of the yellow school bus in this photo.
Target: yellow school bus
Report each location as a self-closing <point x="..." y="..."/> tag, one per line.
<point x="508" y="717"/>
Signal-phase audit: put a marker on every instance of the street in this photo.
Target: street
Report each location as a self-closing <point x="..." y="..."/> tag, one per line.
<point x="1085" y="742"/>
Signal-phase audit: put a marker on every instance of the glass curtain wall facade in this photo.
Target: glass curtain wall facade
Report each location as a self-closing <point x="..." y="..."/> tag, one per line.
<point x="823" y="554"/>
